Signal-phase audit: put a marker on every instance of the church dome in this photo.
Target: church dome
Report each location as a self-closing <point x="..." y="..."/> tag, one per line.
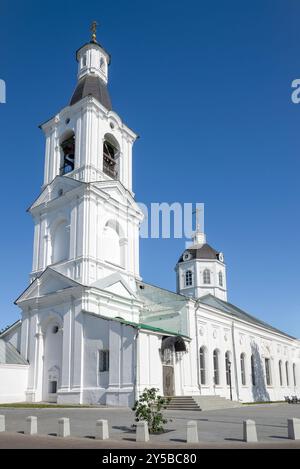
<point x="201" y="251"/>
<point x="90" y="85"/>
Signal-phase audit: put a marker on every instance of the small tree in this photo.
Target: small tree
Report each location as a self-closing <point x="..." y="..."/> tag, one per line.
<point x="149" y="407"/>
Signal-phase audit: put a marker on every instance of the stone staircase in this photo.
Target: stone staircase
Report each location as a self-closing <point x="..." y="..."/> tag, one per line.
<point x="201" y="403"/>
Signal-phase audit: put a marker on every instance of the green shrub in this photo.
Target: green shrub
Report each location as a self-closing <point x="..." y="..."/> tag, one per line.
<point x="149" y="408"/>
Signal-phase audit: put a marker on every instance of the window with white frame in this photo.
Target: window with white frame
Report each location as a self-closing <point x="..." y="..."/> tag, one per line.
<point x="287" y="373"/>
<point x="188" y="278"/>
<point x="294" y="374"/>
<point x="227" y="368"/>
<point x="253" y="371"/>
<point x="243" y="369"/>
<point x="216" y="367"/>
<point x="268" y="371"/>
<point x="103" y="360"/>
<point x="220" y="279"/>
<point x="206" y="276"/>
<point x="203" y="365"/>
<point x="280" y="372"/>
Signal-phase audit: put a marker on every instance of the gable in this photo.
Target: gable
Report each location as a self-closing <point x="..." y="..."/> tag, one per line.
<point x="115" y="284"/>
<point x="47" y="283"/>
<point x="119" y="289"/>
<point x="51" y="192"/>
<point x="117" y="191"/>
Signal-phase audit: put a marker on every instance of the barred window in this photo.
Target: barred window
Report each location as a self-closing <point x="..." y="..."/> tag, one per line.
<point x="188" y="278"/>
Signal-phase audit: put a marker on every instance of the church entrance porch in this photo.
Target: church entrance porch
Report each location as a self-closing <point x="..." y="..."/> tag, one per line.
<point x="171" y="346"/>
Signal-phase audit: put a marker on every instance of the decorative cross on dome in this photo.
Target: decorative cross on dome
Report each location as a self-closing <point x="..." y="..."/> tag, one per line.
<point x="94" y="30"/>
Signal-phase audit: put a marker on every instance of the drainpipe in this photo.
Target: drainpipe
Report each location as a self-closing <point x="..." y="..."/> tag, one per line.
<point x="235" y="363"/>
<point x="197" y="345"/>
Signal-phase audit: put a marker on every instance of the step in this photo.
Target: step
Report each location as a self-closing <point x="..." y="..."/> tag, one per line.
<point x="199" y="402"/>
<point x="186" y="409"/>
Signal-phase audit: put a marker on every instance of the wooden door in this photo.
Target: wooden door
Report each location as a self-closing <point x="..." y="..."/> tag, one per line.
<point x="168" y="380"/>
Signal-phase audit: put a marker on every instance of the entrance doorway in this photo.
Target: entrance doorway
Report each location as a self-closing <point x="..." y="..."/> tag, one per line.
<point x="168" y="371"/>
<point x="52" y="361"/>
<point x="168" y="380"/>
<point x="53" y="378"/>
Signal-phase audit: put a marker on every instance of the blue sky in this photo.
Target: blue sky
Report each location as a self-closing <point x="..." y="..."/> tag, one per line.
<point x="207" y="86"/>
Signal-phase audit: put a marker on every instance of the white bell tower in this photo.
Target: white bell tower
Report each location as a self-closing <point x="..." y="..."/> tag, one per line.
<point x="86" y="218"/>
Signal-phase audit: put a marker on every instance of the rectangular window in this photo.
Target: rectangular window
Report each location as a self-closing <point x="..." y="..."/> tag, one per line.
<point x="253" y="370"/>
<point x="243" y="371"/>
<point x="188" y="278"/>
<point x="103" y="360"/>
<point x="216" y="368"/>
<point x="52" y="387"/>
<point x="268" y="371"/>
<point x="202" y="366"/>
<point x="227" y="369"/>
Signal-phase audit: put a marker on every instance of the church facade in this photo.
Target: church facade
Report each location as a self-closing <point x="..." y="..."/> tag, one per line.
<point x="91" y="330"/>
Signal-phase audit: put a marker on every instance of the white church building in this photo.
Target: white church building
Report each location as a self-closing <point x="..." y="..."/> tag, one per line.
<point x="91" y="330"/>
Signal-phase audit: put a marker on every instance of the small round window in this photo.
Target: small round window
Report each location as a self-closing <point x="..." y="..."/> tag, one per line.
<point x="55" y="329"/>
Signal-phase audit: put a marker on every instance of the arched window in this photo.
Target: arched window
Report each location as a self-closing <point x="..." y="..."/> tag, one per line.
<point x="113" y="243"/>
<point x="228" y="368"/>
<point x="253" y="371"/>
<point x="111" y="155"/>
<point x="68" y="154"/>
<point x="206" y="276"/>
<point x="203" y="365"/>
<point x="188" y="278"/>
<point x="61" y="242"/>
<point x="294" y="374"/>
<point x="268" y="371"/>
<point x="102" y="63"/>
<point x="280" y="372"/>
<point x="287" y="373"/>
<point x="243" y="369"/>
<point x="220" y="279"/>
<point x="216" y="367"/>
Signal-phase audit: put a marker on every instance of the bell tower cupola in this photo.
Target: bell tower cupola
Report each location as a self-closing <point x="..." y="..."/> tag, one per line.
<point x="87" y="140"/>
<point x="201" y="269"/>
<point x="92" y="58"/>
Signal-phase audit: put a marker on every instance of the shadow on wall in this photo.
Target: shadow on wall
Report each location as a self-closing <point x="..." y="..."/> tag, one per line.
<point x="259" y="389"/>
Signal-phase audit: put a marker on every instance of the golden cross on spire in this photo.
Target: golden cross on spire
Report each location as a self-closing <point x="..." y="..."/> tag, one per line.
<point x="94" y="30"/>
